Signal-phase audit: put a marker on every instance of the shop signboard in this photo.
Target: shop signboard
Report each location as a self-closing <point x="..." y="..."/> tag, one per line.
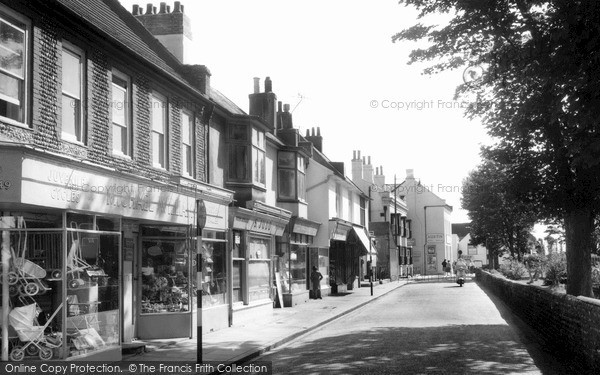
<point x="435" y="238"/>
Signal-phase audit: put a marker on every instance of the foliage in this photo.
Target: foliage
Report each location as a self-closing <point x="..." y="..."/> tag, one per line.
<point x="556" y="269"/>
<point x="539" y="98"/>
<point x="512" y="269"/>
<point x="499" y="219"/>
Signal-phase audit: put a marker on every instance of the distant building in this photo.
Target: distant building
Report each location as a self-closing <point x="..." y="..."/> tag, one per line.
<point x="387" y="219"/>
<point x="477" y="254"/>
<point x="431" y="228"/>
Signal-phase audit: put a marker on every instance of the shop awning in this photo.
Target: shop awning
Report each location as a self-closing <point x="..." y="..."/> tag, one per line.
<point x="364" y="242"/>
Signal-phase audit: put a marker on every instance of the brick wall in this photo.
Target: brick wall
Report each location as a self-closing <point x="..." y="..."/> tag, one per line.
<point x="567" y="325"/>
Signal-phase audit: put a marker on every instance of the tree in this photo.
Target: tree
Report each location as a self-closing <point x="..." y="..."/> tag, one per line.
<point x="539" y="98"/>
<point x="499" y="218"/>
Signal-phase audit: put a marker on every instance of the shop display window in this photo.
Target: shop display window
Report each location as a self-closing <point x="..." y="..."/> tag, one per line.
<point x="238" y="259"/>
<point x="214" y="269"/>
<point x="36" y="278"/>
<point x="259" y="274"/>
<point x="165" y="270"/>
<point x="298" y="268"/>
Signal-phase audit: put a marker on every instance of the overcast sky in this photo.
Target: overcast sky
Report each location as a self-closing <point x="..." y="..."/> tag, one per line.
<point x="338" y="55"/>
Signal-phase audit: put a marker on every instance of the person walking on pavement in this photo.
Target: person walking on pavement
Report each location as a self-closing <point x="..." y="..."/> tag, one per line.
<point x="444" y="265"/>
<point x="315" y="278"/>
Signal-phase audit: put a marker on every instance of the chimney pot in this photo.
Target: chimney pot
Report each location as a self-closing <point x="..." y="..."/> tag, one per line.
<point x="279" y="106"/>
<point x="312" y="132"/>
<point x="268" y="85"/>
<point x="318" y="131"/>
<point x="369" y="160"/>
<point x="307" y="132"/>
<point x="364" y="160"/>
<point x="136" y="9"/>
<point x="177" y="7"/>
<point x="153" y="10"/>
<point x="168" y="9"/>
<point x="381" y="169"/>
<point x="377" y="171"/>
<point x="358" y="154"/>
<point x="286" y="108"/>
<point x="353" y="154"/>
<point x="163" y="8"/>
<point x="256" y="85"/>
<point x="182" y="8"/>
<point x="149" y="8"/>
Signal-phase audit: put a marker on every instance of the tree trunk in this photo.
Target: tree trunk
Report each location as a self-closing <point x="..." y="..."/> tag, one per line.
<point x="579" y="227"/>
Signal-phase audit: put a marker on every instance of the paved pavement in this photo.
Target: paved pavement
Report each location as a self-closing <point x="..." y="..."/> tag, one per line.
<point x="244" y="342"/>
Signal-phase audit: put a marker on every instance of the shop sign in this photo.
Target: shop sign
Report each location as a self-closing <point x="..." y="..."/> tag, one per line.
<point x="339" y="233"/>
<point x="411" y="242"/>
<point x="50" y="185"/>
<point x="302" y="228"/>
<point x="435" y="238"/>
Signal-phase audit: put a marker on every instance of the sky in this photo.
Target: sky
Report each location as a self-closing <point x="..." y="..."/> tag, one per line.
<point x="335" y="64"/>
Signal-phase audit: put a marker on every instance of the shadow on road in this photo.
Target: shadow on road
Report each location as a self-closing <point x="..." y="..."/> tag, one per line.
<point x="455" y="349"/>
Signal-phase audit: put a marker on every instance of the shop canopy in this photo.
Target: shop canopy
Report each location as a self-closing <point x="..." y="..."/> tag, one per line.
<point x="363" y="241"/>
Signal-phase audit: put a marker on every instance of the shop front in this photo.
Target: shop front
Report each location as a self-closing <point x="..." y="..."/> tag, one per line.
<point x="104" y="257"/>
<point x="253" y="237"/>
<point x="295" y="259"/>
<point x="349" y="244"/>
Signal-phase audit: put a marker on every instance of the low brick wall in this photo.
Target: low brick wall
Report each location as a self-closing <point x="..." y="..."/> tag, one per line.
<point x="568" y="325"/>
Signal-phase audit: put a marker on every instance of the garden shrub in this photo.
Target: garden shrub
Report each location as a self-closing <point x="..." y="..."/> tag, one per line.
<point x="556" y="269"/>
<point x="513" y="269"/>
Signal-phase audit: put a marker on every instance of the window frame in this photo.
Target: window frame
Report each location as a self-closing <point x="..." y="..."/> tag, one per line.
<point x="156" y="96"/>
<point x="128" y="108"/>
<point x="78" y="52"/>
<point x="299" y="169"/>
<point x="13" y="18"/>
<point x="192" y="144"/>
<point x="252" y="143"/>
<point x="259" y="175"/>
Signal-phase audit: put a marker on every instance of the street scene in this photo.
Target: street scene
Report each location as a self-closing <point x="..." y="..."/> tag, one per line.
<point x="305" y="187"/>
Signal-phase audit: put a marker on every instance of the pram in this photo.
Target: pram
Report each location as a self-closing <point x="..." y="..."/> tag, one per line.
<point x="76" y="262"/>
<point x="23" y="320"/>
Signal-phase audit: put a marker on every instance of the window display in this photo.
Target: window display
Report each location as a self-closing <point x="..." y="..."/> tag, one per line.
<point x="36" y="280"/>
<point x="165" y="276"/>
<point x="259" y="274"/>
<point x="214" y="269"/>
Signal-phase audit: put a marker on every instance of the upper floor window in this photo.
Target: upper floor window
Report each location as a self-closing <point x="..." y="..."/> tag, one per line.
<point x="363" y="211"/>
<point x="158" y="109"/>
<point x="291" y="174"/>
<point x="350" y="207"/>
<point x="247" y="156"/>
<point x="258" y="156"/>
<point x="121" y="114"/>
<point x="13" y="62"/>
<point x="187" y="143"/>
<point x="338" y="200"/>
<point x="72" y="93"/>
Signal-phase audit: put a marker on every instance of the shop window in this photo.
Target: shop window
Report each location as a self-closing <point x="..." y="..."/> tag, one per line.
<point x="91" y="304"/>
<point x="297" y="268"/>
<point x="14" y="32"/>
<point x="121" y="114"/>
<point x="73" y="77"/>
<point x="158" y="109"/>
<point x="214" y="270"/>
<point x="259" y="265"/>
<point x="187" y="143"/>
<point x="165" y="276"/>
<point x="238" y="259"/>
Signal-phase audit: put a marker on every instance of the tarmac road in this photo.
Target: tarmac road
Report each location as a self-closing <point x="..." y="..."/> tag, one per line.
<point x="429" y="328"/>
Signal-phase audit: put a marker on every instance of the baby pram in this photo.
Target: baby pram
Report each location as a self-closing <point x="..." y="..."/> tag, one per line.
<point x="23" y="320"/>
<point x="76" y="264"/>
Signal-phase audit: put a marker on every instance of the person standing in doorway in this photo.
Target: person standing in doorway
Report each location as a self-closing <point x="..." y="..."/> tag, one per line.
<point x="315" y="279"/>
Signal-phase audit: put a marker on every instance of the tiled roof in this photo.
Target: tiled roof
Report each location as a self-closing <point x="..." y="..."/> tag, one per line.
<point x="220" y="99"/>
<point x="110" y="18"/>
<point x="461" y="229"/>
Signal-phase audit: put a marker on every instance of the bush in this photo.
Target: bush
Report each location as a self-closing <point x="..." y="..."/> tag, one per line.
<point x="556" y="269"/>
<point x="513" y="269"/>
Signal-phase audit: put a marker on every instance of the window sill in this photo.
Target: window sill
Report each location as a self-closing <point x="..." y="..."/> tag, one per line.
<point x="9" y="121"/>
<point x="122" y="156"/>
<point x="72" y="140"/>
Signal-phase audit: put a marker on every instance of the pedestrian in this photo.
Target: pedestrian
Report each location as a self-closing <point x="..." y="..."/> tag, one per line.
<point x="444" y="265"/>
<point x="315" y="278"/>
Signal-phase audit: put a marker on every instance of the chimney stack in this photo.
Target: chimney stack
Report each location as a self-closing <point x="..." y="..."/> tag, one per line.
<point x="357" y="168"/>
<point x="172" y="29"/>
<point x="286" y="118"/>
<point x="316" y="139"/>
<point x="379" y="178"/>
<point x="368" y="171"/>
<point x="263" y="105"/>
<point x="410" y="174"/>
<point x="256" y="85"/>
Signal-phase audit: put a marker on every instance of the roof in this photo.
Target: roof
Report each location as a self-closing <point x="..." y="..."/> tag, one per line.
<point x="461" y="229"/>
<point x="109" y="17"/>
<point x="223" y="101"/>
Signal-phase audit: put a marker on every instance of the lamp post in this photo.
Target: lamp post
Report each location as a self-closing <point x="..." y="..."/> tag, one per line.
<point x="371" y="262"/>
